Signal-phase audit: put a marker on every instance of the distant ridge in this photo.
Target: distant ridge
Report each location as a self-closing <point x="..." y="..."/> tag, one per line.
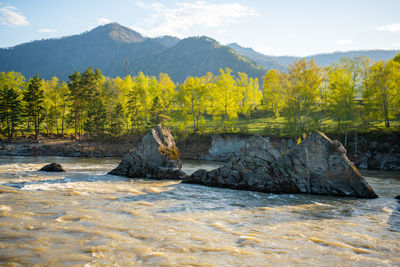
<point x="323" y="59"/>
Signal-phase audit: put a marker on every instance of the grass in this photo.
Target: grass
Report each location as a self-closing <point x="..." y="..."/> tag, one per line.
<point x="265" y="124"/>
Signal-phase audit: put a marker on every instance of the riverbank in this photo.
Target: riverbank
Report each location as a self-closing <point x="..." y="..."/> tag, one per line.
<point x="374" y="151"/>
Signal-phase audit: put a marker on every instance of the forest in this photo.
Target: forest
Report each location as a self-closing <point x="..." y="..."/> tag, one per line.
<point x="354" y="94"/>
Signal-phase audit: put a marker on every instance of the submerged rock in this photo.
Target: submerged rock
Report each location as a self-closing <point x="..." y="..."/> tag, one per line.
<point x="315" y="166"/>
<point x="52" y="167"/>
<point x="155" y="157"/>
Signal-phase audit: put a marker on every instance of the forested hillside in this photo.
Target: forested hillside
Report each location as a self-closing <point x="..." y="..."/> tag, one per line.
<point x="118" y="50"/>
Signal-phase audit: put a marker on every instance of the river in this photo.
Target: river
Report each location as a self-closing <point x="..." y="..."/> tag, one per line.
<point x="85" y="217"/>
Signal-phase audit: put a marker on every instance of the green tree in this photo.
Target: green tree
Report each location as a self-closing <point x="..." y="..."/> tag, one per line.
<point x="63" y="92"/>
<point x="226" y="97"/>
<point x="117" y="120"/>
<point x="303" y="83"/>
<point x="10" y="109"/>
<point x="52" y="109"/>
<point x="273" y="91"/>
<point x="33" y="103"/>
<point x="136" y="109"/>
<point x="156" y="111"/>
<point x="192" y="95"/>
<point x="76" y="98"/>
<point x="341" y="97"/>
<point x="167" y="91"/>
<point x="95" y="124"/>
<point x="11" y="87"/>
<point x="250" y="94"/>
<point x="383" y="89"/>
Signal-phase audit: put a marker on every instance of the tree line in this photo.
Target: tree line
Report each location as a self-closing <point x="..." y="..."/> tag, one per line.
<point x="90" y="105"/>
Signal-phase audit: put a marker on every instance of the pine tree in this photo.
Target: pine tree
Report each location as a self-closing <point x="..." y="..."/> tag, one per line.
<point x="95" y="124"/>
<point x="10" y="109"/>
<point x="75" y="97"/>
<point x="117" y="120"/>
<point x="33" y="103"/>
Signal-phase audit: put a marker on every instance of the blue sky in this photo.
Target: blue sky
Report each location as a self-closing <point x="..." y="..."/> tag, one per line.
<point x="285" y="27"/>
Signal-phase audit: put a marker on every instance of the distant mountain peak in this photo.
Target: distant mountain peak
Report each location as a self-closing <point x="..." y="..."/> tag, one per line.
<point x="118" y="33"/>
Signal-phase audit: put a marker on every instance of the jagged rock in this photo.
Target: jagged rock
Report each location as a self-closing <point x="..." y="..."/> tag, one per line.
<point x="397" y="197"/>
<point x="52" y="167"/>
<point x="315" y="166"/>
<point x="155" y="157"/>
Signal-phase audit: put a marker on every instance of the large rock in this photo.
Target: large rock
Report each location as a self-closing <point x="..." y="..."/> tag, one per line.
<point x="52" y="167"/>
<point x="226" y="147"/>
<point x="315" y="166"/>
<point x="156" y="157"/>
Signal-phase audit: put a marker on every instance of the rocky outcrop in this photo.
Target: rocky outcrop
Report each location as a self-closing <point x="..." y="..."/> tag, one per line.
<point x="225" y="147"/>
<point x="52" y="167"/>
<point x="155" y="157"/>
<point x="315" y="166"/>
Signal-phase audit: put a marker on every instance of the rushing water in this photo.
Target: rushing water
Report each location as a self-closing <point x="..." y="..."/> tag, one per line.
<point x="86" y="217"/>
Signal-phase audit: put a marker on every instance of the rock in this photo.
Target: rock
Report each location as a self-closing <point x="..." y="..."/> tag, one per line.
<point x="52" y="167"/>
<point x="155" y="157"/>
<point x="397" y="197"/>
<point x="223" y="148"/>
<point x="316" y="166"/>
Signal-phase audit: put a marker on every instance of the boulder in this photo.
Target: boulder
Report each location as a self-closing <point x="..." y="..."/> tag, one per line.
<point x="155" y="157"/>
<point x="52" y="167"/>
<point x="317" y="165"/>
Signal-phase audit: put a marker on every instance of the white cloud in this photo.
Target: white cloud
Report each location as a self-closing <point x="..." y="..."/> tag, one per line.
<point x="396" y="45"/>
<point x="186" y="15"/>
<point x="102" y="21"/>
<point x="390" y="28"/>
<point x="47" y="30"/>
<point x="10" y="16"/>
<point x="344" y="42"/>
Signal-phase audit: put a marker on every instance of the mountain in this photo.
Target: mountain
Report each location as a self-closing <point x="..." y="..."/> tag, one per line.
<point x="168" y="40"/>
<point x="374" y="55"/>
<point x="281" y="62"/>
<point x="106" y="47"/>
<point x="199" y="55"/>
<point x="118" y="50"/>
<point x="267" y="61"/>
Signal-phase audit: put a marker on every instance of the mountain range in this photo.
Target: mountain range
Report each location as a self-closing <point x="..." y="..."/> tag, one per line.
<point x="281" y="62"/>
<point x="118" y="50"/>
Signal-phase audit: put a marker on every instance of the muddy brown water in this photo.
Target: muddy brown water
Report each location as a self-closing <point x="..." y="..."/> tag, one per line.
<point x="85" y="217"/>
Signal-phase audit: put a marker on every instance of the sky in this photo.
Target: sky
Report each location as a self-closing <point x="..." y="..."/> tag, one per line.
<point x="285" y="27"/>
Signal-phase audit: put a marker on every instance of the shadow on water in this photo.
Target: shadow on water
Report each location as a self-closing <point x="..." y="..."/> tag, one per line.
<point x="199" y="198"/>
<point x="394" y="219"/>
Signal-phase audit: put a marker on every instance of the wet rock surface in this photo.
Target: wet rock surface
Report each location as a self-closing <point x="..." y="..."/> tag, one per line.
<point x="315" y="166"/>
<point x="155" y="157"/>
<point x="52" y="167"/>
